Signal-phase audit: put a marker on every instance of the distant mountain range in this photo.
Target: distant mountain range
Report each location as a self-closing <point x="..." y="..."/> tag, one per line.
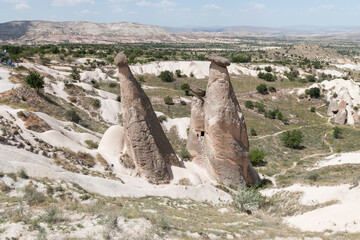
<point x="80" y="32"/>
<point x="42" y="32"/>
<point x="294" y="30"/>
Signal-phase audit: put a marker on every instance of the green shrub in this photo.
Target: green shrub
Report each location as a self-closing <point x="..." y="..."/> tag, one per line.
<point x="186" y="88"/>
<point x="257" y="157"/>
<point x="260" y="107"/>
<point x="292" y="139"/>
<point x="112" y="85"/>
<point x="71" y="115"/>
<point x="241" y="58"/>
<point x="52" y="215"/>
<point x="12" y="176"/>
<point x="118" y="99"/>
<point x="268" y="69"/>
<point x="166" y="76"/>
<point x="272" y="89"/>
<point x="267" y="77"/>
<point x="183" y="103"/>
<point x="96" y="102"/>
<point x="168" y="100"/>
<point x="313" y="176"/>
<point x="311" y="78"/>
<point x="253" y="132"/>
<point x="249" y="104"/>
<point x="75" y="74"/>
<point x="162" y="118"/>
<point x="313" y="109"/>
<point x="262" y="89"/>
<point x="21" y="114"/>
<point x="178" y="73"/>
<point x="184" y="154"/>
<point x="32" y="196"/>
<point x="141" y="78"/>
<point x="35" y="80"/>
<point x="337" y="132"/>
<point x="192" y="75"/>
<point x="22" y="174"/>
<point x="247" y="199"/>
<point x="313" y="92"/>
<point x="91" y="144"/>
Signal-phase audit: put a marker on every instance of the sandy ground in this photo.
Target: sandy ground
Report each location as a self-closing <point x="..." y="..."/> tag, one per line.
<point x="181" y="124"/>
<point x="5" y="83"/>
<point x="14" y="159"/>
<point x="338" y="159"/>
<point x="341" y="216"/>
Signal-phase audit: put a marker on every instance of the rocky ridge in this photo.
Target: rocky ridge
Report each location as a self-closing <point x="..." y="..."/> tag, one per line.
<point x="80" y="32"/>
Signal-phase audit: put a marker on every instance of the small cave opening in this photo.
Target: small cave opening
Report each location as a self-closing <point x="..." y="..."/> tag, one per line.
<point x="202" y="133"/>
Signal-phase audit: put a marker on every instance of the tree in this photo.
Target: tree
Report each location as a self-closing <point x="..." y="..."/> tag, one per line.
<point x="249" y="104"/>
<point x="166" y="76"/>
<point x="178" y="73"/>
<point x="262" y="88"/>
<point x="35" y="80"/>
<point x="185" y="87"/>
<point x="313" y="92"/>
<point x="267" y="77"/>
<point x="268" y="69"/>
<point x="168" y="100"/>
<point x="253" y="132"/>
<point x="257" y="156"/>
<point x="311" y="78"/>
<point x="337" y="132"/>
<point x="241" y="58"/>
<point x="75" y="74"/>
<point x="72" y="116"/>
<point x="272" y="89"/>
<point x="292" y="139"/>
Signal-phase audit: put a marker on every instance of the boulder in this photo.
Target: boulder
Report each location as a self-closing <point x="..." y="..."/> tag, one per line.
<point x="333" y="108"/>
<point x="342" y="105"/>
<point x="341" y="117"/>
<point x="145" y="140"/>
<point x="218" y="137"/>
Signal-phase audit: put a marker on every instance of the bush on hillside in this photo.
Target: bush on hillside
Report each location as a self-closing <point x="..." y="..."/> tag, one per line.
<point x="35" y="80"/>
<point x="292" y="139"/>
<point x="166" y="76"/>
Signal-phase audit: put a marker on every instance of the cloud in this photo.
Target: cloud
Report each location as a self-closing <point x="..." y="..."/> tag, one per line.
<point x="86" y="11"/>
<point x="212" y="6"/>
<point x="118" y="9"/>
<point x="19" y="4"/>
<point x="254" y="5"/>
<point x="143" y="3"/>
<point x="321" y="8"/>
<point x="119" y="1"/>
<point x="62" y="3"/>
<point x="161" y="4"/>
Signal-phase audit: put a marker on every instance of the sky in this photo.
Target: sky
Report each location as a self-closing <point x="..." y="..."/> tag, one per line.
<point x="183" y="13"/>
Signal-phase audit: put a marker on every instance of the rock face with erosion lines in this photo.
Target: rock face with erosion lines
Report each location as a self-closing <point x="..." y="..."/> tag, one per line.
<point x="145" y="140"/>
<point x="218" y="138"/>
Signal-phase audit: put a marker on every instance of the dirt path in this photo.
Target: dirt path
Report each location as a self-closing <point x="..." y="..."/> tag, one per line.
<point x="273" y="178"/>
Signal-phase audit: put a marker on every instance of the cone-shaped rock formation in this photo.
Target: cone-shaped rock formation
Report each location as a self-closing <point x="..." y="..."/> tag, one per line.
<point x="145" y="140"/>
<point x="218" y="138"/>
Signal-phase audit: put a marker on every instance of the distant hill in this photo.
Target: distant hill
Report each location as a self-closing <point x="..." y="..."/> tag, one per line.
<point x="80" y="32"/>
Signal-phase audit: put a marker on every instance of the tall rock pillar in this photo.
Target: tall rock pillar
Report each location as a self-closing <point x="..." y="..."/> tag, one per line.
<point x="145" y="140"/>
